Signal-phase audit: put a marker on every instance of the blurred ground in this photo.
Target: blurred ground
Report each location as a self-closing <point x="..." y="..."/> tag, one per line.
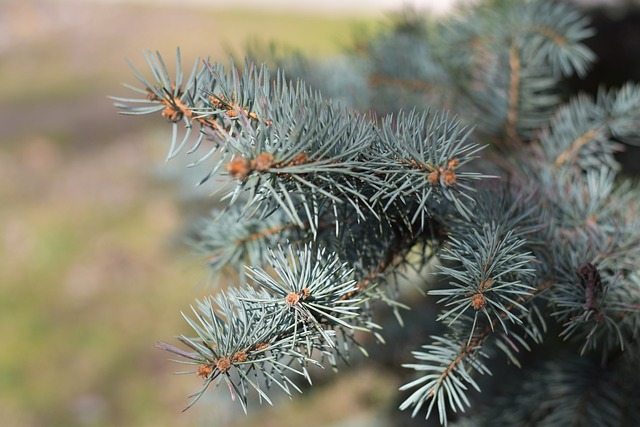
<point x="92" y="274"/>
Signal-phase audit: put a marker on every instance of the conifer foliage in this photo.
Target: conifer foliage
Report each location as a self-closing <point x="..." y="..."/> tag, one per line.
<point x="473" y="164"/>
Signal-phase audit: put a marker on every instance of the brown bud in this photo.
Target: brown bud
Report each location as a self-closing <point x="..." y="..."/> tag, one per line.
<point x="223" y="364"/>
<point x="292" y="298"/>
<point x="239" y="356"/>
<point x="299" y="159"/>
<point x="172" y="114"/>
<point x="217" y="101"/>
<point x="239" y="168"/>
<point x="478" y="301"/>
<point x="434" y="177"/>
<point x="264" y="162"/>
<point x="204" y="370"/>
<point x="449" y="178"/>
<point x="485" y="285"/>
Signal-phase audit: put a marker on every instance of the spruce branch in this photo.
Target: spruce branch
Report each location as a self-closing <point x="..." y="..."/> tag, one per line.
<point x="494" y="273"/>
<point x="574" y="391"/>
<point x="448" y="367"/>
<point x="555" y="32"/>
<point x="178" y="100"/>
<point x="232" y="345"/>
<point x="509" y="62"/>
<point x="584" y="131"/>
<point x="254" y="336"/>
<point x="289" y="149"/>
<point x="423" y="158"/>
<point x="514" y="94"/>
<point x="229" y="240"/>
<point x="455" y="363"/>
<point x="536" y="235"/>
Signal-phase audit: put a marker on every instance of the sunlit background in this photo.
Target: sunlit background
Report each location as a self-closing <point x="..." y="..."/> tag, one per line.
<point x="92" y="269"/>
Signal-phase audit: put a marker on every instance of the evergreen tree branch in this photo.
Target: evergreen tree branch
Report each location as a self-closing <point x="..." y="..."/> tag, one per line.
<point x="229" y="240"/>
<point x="513" y="94"/>
<point x="448" y="368"/>
<point x="584" y="131"/>
<point x="554" y="234"/>
<point x="269" y="328"/>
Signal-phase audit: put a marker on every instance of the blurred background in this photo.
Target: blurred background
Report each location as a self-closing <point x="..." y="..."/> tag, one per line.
<point x="93" y="271"/>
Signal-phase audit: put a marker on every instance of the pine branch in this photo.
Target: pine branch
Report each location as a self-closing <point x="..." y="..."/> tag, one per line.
<point x="447" y="366"/>
<point x="539" y="237"/>
<point x="575" y="391"/>
<point x="421" y="157"/>
<point x="493" y="272"/>
<point x="584" y="131"/>
<point x="281" y="159"/>
<point x="514" y="95"/>
<point x="454" y="366"/>
<point x="229" y="240"/>
<point x="269" y="328"/>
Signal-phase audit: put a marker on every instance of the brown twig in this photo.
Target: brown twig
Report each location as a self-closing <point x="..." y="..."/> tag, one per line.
<point x="466" y="348"/>
<point x="576" y="145"/>
<point x="514" y="95"/>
